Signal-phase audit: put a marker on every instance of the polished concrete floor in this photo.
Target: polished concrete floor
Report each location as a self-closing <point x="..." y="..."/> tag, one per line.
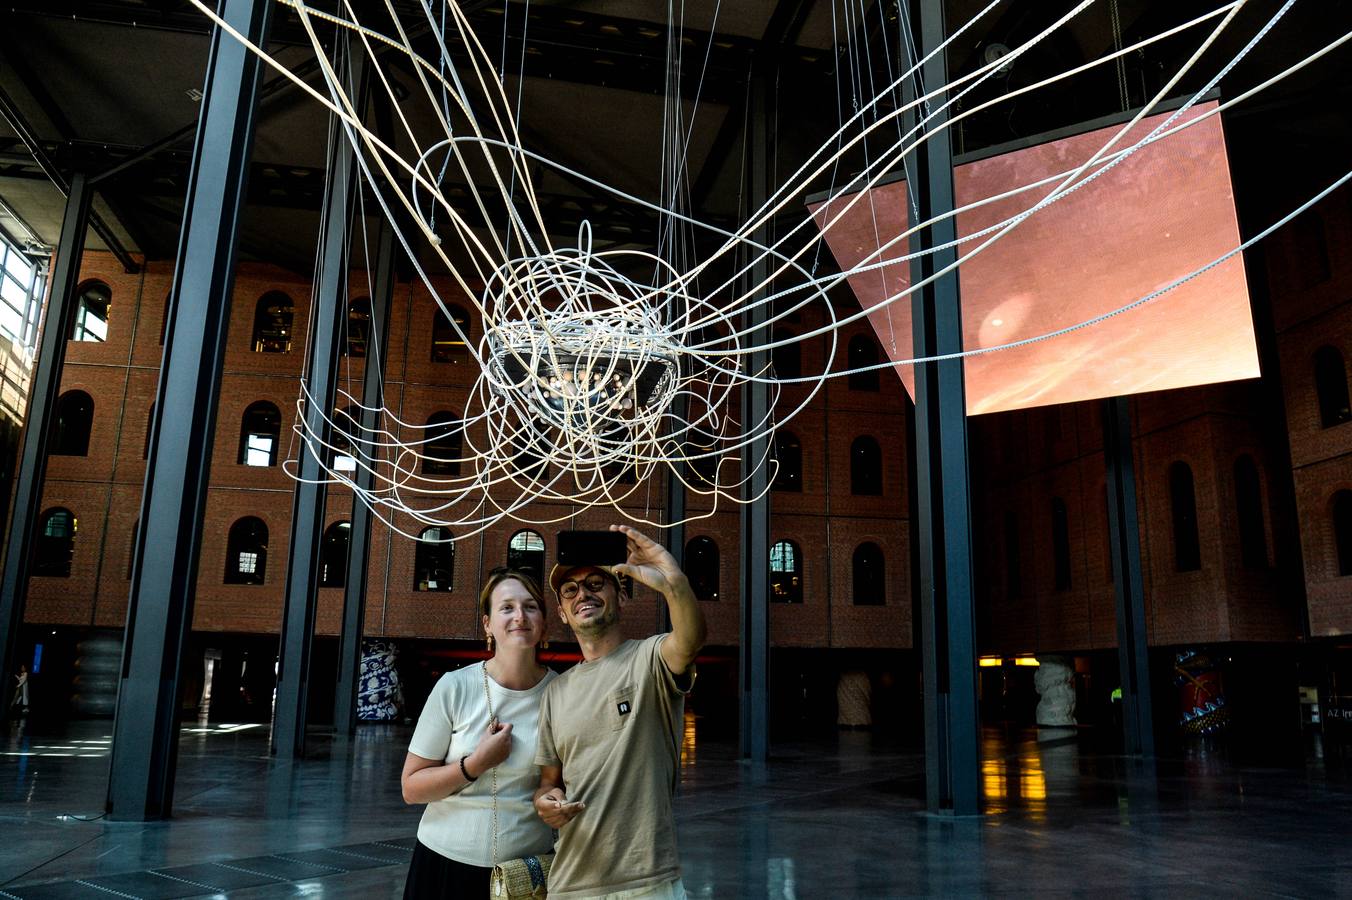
<point x="834" y="818"/>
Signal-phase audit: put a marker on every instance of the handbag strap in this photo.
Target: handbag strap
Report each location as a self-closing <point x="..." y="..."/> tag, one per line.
<point x="488" y="700"/>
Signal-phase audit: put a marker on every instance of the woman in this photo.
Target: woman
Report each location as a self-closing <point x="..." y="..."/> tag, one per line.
<point x="459" y="749"/>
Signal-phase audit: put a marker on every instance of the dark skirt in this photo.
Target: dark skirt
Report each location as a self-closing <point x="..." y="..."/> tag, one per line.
<point x="432" y="876"/>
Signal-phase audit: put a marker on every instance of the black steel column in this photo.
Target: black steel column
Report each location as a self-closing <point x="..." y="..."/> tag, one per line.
<point x="1124" y="537"/>
<point x="676" y="507"/>
<point x="43" y="391"/>
<point x="164" y="570"/>
<point x="943" y="525"/>
<point x="754" y="646"/>
<point x="358" y="554"/>
<point x="328" y="313"/>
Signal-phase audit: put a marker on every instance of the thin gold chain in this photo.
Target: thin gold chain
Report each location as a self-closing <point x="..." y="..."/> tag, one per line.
<point x="488" y="698"/>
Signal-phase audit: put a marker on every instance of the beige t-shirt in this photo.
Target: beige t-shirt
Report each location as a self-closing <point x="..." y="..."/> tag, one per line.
<point x="460" y="827"/>
<point x="614" y="725"/>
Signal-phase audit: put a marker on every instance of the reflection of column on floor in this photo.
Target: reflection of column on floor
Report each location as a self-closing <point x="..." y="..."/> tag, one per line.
<point x="96" y="664"/>
<point x="1055" y="683"/>
<point x="210" y="659"/>
<point x="854" y="696"/>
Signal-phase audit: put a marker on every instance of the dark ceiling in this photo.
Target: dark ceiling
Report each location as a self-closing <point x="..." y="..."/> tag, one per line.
<point x="106" y="83"/>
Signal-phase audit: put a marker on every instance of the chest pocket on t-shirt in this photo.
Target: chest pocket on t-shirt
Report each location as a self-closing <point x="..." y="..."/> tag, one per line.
<point x="621" y="707"/>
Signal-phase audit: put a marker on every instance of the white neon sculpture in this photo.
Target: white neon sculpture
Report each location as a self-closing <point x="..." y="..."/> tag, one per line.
<point x="591" y="377"/>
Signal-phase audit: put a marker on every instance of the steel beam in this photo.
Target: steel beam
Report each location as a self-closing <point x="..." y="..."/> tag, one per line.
<point x="1124" y="538"/>
<point x="328" y="315"/>
<point x="43" y="391"/>
<point x="11" y="114"/>
<point x="943" y="525"/>
<point x="754" y="646"/>
<point x="168" y="543"/>
<point x="358" y="554"/>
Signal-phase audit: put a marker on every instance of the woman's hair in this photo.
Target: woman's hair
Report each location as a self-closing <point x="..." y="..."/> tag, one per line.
<point x="502" y="573"/>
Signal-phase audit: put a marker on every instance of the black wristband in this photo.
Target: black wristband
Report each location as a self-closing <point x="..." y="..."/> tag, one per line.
<point x="464" y="771"/>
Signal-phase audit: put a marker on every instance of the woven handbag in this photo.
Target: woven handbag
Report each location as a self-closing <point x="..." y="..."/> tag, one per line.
<point x="525" y="877"/>
<point x="522" y="878"/>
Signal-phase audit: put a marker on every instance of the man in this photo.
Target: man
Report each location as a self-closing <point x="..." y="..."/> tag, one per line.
<point x="610" y="729"/>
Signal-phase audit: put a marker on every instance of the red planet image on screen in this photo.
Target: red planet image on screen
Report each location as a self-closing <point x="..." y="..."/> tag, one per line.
<point x="1165" y="211"/>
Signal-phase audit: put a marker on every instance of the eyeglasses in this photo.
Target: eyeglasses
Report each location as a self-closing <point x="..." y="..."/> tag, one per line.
<point x="509" y="570"/>
<point x="568" y="590"/>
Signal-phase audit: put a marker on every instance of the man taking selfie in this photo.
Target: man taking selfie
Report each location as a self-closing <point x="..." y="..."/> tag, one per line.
<point x="610" y="730"/>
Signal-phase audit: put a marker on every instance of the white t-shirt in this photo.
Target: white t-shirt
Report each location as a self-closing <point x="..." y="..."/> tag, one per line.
<point x="460" y="827"/>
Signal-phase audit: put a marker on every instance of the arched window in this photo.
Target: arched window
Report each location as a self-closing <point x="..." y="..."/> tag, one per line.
<point x="150" y="428"/>
<point x="71" y="426"/>
<point x="333" y="555"/>
<point x="526" y="551"/>
<point x="55" y="545"/>
<point x="786" y="573"/>
<point x="1309" y="250"/>
<point x="434" y="560"/>
<point x="787" y="358"/>
<point x="272" y="323"/>
<point x="246" y="552"/>
<point x="789" y="454"/>
<point x="1330" y="382"/>
<point x="259" y="434"/>
<point x="1249" y="508"/>
<point x="701" y="567"/>
<point x="869" y="581"/>
<point x="358" y="328"/>
<point x="447" y="345"/>
<point x="1013" y="558"/>
<point x="703" y="465"/>
<point x="1060" y="544"/>
<point x="91" y="315"/>
<point x="1342" y="530"/>
<point x="866" y="467"/>
<point x="343" y="455"/>
<point x="445" y="444"/>
<point x="862" y="353"/>
<point x="1183" y="502"/>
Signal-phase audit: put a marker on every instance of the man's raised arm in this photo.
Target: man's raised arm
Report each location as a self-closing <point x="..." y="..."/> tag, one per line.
<point x="649" y="563"/>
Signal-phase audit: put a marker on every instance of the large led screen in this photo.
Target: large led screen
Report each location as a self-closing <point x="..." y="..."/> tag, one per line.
<point x="1165" y="211"/>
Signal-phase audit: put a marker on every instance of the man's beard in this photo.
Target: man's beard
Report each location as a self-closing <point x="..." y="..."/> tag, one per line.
<point x="598" y="626"/>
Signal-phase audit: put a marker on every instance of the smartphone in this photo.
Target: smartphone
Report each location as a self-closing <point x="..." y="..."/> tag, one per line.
<point x="592" y="548"/>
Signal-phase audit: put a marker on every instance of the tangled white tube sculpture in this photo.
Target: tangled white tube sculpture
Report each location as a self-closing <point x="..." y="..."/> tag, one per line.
<point x="592" y="378"/>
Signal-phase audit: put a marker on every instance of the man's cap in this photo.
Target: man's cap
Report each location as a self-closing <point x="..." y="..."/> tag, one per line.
<point x="558" y="573"/>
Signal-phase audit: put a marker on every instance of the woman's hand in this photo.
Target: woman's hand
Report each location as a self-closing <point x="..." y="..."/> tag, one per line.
<point x="493" y="748"/>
